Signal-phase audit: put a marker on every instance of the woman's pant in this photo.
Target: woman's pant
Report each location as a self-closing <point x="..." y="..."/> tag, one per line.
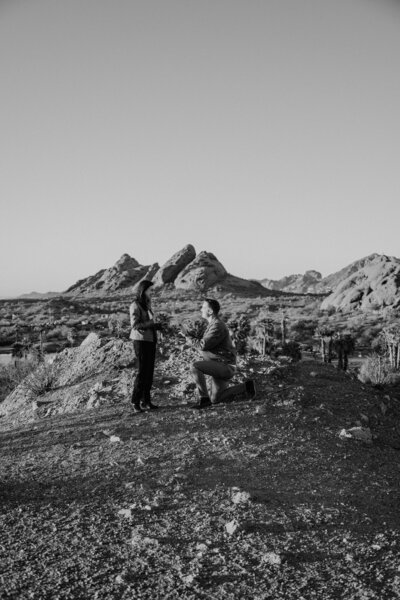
<point x="145" y="354"/>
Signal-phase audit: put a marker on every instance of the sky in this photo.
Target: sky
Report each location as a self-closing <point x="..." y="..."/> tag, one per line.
<point x="264" y="131"/>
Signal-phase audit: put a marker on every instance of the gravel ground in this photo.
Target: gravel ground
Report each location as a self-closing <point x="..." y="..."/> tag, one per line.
<point x="259" y="499"/>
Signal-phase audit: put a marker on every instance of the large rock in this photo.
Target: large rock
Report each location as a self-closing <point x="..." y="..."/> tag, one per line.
<point x="151" y="271"/>
<point x="202" y="273"/>
<point x="124" y="274"/>
<point x="171" y="269"/>
<point x="375" y="283"/>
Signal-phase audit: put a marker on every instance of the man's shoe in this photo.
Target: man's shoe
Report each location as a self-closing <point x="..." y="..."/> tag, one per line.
<point x="250" y="389"/>
<point x="136" y="408"/>
<point x="203" y="403"/>
<point x="148" y="406"/>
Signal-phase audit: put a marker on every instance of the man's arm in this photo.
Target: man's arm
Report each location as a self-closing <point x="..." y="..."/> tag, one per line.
<point x="213" y="336"/>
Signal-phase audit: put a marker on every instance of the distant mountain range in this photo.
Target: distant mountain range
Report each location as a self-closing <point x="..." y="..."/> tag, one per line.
<point x="371" y="282"/>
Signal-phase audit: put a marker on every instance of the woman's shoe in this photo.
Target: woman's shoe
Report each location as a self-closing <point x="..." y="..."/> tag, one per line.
<point x="148" y="406"/>
<point x="136" y="408"/>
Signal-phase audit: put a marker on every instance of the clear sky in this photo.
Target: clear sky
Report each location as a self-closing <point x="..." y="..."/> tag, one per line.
<point x="264" y="131"/>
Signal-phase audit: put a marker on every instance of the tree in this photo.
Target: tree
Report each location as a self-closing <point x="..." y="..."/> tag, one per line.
<point x="391" y="338"/>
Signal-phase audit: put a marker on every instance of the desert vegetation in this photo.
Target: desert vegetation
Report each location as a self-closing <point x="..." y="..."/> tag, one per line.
<point x="287" y="324"/>
<point x="230" y="503"/>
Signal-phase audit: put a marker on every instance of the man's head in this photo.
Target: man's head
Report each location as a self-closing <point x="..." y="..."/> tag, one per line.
<point x="210" y="307"/>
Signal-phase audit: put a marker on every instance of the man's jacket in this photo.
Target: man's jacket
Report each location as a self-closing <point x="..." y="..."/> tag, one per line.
<point x="216" y="343"/>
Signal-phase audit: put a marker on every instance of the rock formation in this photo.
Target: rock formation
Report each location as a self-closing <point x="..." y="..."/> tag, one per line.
<point x="171" y="269"/>
<point x="308" y="283"/>
<point x="202" y="273"/>
<point x="123" y="275"/>
<point x="370" y="283"/>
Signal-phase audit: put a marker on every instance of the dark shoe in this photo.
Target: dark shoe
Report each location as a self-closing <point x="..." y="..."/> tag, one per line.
<point x="203" y="403"/>
<point x="250" y="389"/>
<point x="148" y="406"/>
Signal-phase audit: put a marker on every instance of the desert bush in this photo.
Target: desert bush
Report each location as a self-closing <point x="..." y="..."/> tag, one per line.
<point x="291" y="349"/>
<point x="263" y="331"/>
<point x="41" y="380"/>
<point x="119" y="325"/>
<point x="13" y="374"/>
<point x="303" y="330"/>
<point x="377" y="370"/>
<point x="240" y="330"/>
<point x="194" y="328"/>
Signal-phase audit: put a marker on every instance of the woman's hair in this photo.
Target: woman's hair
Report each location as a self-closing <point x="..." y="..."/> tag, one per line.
<point x="140" y="292"/>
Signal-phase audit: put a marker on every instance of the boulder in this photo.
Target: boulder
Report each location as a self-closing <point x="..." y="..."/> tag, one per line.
<point x="171" y="269"/>
<point x="202" y="273"/>
<point x="375" y="284"/>
<point x="151" y="271"/>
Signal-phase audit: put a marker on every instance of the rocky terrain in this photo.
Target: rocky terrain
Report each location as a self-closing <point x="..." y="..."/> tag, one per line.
<point x="292" y="495"/>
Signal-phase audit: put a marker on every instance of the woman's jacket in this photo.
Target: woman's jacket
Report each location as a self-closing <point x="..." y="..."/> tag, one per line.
<point x="142" y="323"/>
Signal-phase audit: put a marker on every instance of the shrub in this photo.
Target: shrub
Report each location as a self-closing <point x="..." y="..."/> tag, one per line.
<point x="13" y="374"/>
<point x="376" y="370"/>
<point x="240" y="330"/>
<point x="41" y="380"/>
<point x="291" y="349"/>
<point x="194" y="328"/>
<point x="118" y="325"/>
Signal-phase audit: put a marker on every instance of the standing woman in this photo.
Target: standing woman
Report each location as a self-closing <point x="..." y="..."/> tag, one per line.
<point x="144" y="336"/>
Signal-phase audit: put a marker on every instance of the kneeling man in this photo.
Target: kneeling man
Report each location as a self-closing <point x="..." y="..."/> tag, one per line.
<point x="218" y="359"/>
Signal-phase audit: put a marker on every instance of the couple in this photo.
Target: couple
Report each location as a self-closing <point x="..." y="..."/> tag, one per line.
<point x="218" y="355"/>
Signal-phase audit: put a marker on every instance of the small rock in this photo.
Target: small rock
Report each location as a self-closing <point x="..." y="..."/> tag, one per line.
<point x="361" y="433"/>
<point x="272" y="558"/>
<point x="239" y="497"/>
<point x="313" y="374"/>
<point x="343" y="434"/>
<point x="231" y="526"/>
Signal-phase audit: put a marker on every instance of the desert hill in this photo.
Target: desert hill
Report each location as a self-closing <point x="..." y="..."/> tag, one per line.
<point x="308" y="283"/>
<point x="184" y="270"/>
<point x="368" y="282"/>
<point x="372" y="282"/>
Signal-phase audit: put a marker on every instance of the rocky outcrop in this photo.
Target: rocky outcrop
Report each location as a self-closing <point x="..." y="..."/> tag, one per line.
<point x="123" y="275"/>
<point x="372" y="282"/>
<point x="169" y="271"/>
<point x="308" y="283"/>
<point x="96" y="372"/>
<point x="202" y="273"/>
<point x="151" y="271"/>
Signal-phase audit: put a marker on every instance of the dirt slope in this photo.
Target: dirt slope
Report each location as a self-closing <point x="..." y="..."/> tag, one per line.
<point x="259" y="499"/>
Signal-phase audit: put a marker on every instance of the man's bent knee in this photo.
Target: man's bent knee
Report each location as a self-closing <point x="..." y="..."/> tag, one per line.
<point x="194" y="368"/>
